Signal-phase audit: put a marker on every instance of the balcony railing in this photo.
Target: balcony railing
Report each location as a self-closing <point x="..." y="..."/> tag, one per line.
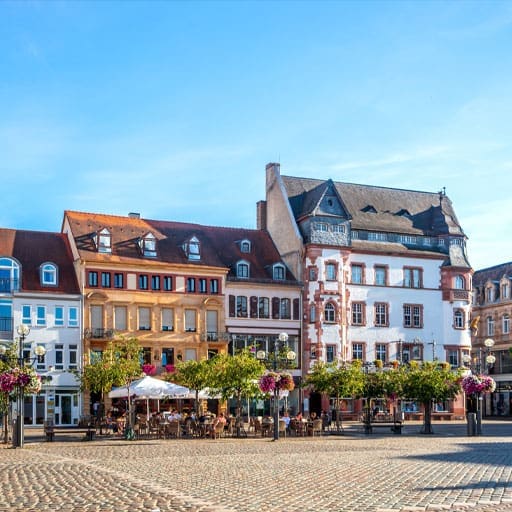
<point x="98" y="333"/>
<point x="8" y="285"/>
<point x="6" y="324"/>
<point x="214" y="336"/>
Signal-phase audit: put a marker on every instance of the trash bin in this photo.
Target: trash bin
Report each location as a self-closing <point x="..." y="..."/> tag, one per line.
<point x="471" y="423"/>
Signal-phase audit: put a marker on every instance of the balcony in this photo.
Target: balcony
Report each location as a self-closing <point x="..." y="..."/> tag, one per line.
<point x="215" y="336"/>
<point x="98" y="333"/>
<point x="6" y="327"/>
<point x="453" y="295"/>
<point x="8" y="285"/>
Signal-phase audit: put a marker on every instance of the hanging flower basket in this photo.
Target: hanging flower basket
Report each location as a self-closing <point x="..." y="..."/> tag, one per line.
<point x="271" y="381"/>
<point x="24" y="378"/>
<point x="476" y="384"/>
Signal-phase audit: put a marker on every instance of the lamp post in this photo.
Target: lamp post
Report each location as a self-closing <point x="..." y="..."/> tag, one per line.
<point x="23" y="331"/>
<point x="281" y="340"/>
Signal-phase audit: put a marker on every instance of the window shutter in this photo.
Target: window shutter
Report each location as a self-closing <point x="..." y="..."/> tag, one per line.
<point x="296" y="310"/>
<point x="275" y="307"/>
<point x="232" y="306"/>
<point x="254" y="307"/>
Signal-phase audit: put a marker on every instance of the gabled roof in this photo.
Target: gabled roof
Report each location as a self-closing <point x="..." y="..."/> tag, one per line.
<point x="495" y="273"/>
<point x="219" y="246"/>
<point x="375" y="208"/>
<point x="32" y="249"/>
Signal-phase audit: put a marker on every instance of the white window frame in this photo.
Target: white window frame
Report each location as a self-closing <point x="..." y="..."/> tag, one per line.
<point x="40" y="315"/>
<point x="26" y="318"/>
<point x="72" y="316"/>
<point x="243" y="269"/>
<point x="59" y="316"/>
<point x="48" y="274"/>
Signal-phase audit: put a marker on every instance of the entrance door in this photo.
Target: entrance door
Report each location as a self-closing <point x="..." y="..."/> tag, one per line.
<point x="64" y="409"/>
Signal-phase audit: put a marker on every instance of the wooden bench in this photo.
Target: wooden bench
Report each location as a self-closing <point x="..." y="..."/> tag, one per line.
<point x="50" y="430"/>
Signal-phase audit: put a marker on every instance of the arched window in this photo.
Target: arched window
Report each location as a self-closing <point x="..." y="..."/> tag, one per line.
<point x="458" y="319"/>
<point x="245" y="246"/>
<point x="459" y="283"/>
<point x="242" y="269"/>
<point x="9" y="275"/>
<point x="329" y="313"/>
<point x="48" y="274"/>
<point x="279" y="272"/>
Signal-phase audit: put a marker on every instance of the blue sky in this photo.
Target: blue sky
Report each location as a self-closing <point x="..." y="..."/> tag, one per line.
<point x="173" y="109"/>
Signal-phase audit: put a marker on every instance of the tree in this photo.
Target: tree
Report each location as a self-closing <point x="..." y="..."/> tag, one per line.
<point x="430" y="381"/>
<point x="236" y="376"/>
<point x="336" y="379"/>
<point x="118" y="365"/>
<point x="195" y="375"/>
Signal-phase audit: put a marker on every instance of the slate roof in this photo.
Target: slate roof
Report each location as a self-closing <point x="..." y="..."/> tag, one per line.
<point x="33" y="248"/>
<point x="219" y="245"/>
<point x="495" y="273"/>
<point x="374" y="208"/>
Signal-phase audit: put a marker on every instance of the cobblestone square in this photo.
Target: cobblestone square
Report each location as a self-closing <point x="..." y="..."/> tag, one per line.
<point x="352" y="472"/>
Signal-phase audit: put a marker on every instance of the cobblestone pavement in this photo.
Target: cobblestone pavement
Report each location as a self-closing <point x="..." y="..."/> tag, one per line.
<point x="447" y="471"/>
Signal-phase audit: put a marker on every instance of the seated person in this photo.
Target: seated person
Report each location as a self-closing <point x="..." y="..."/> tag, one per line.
<point x="219" y="420"/>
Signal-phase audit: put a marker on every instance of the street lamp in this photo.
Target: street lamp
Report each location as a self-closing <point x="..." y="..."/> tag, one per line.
<point x="281" y="340"/>
<point x="23" y="331"/>
<point x="490" y="359"/>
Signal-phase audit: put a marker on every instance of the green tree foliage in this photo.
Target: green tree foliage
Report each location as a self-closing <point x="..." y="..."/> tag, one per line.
<point x="236" y="376"/>
<point x="336" y="379"/>
<point x="427" y="382"/>
<point x="195" y="375"/>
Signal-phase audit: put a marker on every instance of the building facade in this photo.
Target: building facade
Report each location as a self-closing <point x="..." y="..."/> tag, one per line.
<point x="385" y="271"/>
<point x="39" y="290"/>
<point x="491" y="314"/>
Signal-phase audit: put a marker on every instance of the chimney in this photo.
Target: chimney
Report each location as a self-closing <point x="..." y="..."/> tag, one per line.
<point x="275" y="167"/>
<point x="261" y="215"/>
<point x="134" y="215"/>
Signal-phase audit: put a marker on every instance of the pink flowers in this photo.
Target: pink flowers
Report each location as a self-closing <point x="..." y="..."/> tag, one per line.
<point x="271" y="381"/>
<point x="25" y="378"/>
<point x="149" y="369"/>
<point x="170" y="368"/>
<point x="475" y="384"/>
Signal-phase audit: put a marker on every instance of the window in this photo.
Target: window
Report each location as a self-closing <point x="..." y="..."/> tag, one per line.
<point x="104" y="241"/>
<point x="93" y="279"/>
<point x="241" y="306"/>
<point x="504" y="291"/>
<point x="155" y="282"/>
<point x="506" y="324"/>
<point x="41" y="360"/>
<point x="73" y="317"/>
<point x="212" y="325"/>
<point x="380" y="352"/>
<point x="242" y="269"/>
<point x="120" y="318"/>
<point x="452" y="357"/>
<point x="48" y="274"/>
<point x="9" y="275"/>
<point x="358" y="313"/>
<point x="312" y="273"/>
<point x="285" y="309"/>
<point x="338" y="228"/>
<point x="380" y="276"/>
<point x="143" y="282"/>
<point x="279" y="272"/>
<point x="40" y="315"/>
<point x="105" y="279"/>
<point x="263" y="307"/>
<point x="167" y="319"/>
<point x="203" y="288"/>
<point x="59" y="316"/>
<point x="330" y="272"/>
<point x="381" y="314"/>
<point x="330" y="353"/>
<point x="193" y="249"/>
<point x="144" y="319"/>
<point x="458" y="319"/>
<point x="59" y="356"/>
<point x="413" y="277"/>
<point x="118" y="280"/>
<point x="73" y="357"/>
<point x="321" y="226"/>
<point x="26" y="315"/>
<point x="356" y="274"/>
<point x="245" y="246"/>
<point x="191" y="285"/>
<point x="214" y="286"/>
<point x="459" y="283"/>
<point x="190" y="320"/>
<point x="312" y="314"/>
<point x="148" y="245"/>
<point x="413" y="316"/>
<point x="490" y="326"/>
<point x="329" y="313"/>
<point x="357" y="351"/>
<point x="489" y="294"/>
<point x="168" y="283"/>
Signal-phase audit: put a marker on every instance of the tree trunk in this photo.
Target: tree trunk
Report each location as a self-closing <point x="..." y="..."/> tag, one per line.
<point x="427" y="418"/>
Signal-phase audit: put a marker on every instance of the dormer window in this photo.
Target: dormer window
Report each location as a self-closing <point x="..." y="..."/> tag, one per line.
<point x="403" y="213"/>
<point x="369" y="209"/>
<point x="279" y="272"/>
<point x="192" y="249"/>
<point x="48" y="274"/>
<point x="104" y="241"/>
<point x="148" y="245"/>
<point x="242" y="269"/>
<point x="9" y="275"/>
<point x="245" y="246"/>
